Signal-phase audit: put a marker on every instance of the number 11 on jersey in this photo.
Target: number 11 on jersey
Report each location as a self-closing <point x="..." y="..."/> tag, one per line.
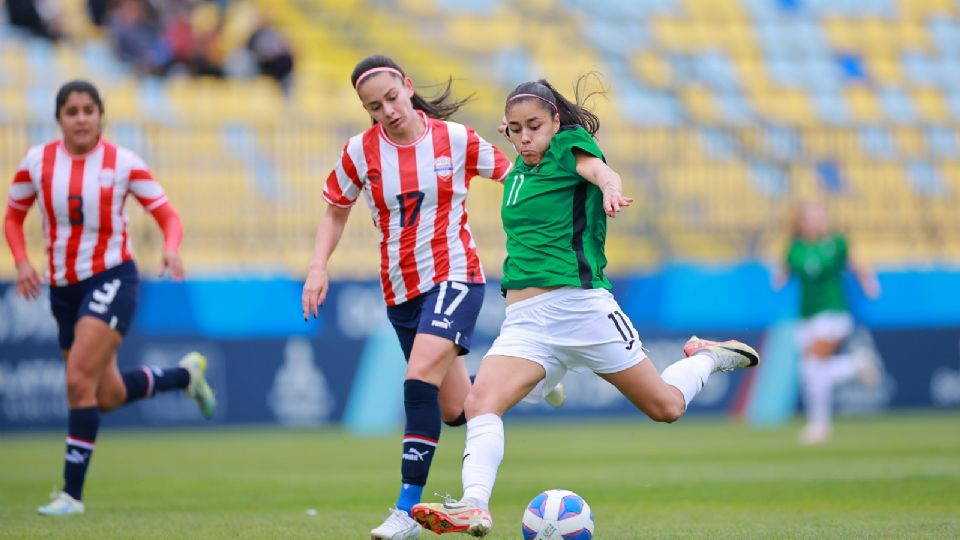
<point x="515" y="189"/>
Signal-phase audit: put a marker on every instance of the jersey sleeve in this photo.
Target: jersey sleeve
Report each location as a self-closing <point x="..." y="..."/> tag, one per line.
<point x="343" y="184"/>
<point x="484" y="159"/>
<point x="148" y="192"/>
<point x="575" y="139"/>
<point x="23" y="192"/>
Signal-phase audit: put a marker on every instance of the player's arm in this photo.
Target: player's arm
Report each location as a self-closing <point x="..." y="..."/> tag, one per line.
<point x="28" y="281"/>
<point x="865" y="277"/>
<point x="22" y="195"/>
<point x="598" y="173"/>
<point x="152" y="197"/>
<point x="170" y="225"/>
<point x="328" y="236"/>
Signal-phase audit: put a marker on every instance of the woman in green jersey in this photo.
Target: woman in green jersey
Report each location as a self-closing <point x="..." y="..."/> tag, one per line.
<point x="818" y="256"/>
<point x="560" y="314"/>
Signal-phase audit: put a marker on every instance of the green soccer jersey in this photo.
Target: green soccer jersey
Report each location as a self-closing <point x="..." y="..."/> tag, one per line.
<point x="554" y="219"/>
<point x="819" y="265"/>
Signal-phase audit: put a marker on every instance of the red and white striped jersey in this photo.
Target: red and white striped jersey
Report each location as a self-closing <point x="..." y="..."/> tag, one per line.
<point x="82" y="204"/>
<point x="417" y="194"/>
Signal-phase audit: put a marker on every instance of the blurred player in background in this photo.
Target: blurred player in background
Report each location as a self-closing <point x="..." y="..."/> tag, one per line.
<point x="413" y="167"/>
<point x="560" y="313"/>
<point x="818" y="257"/>
<point x="81" y="181"/>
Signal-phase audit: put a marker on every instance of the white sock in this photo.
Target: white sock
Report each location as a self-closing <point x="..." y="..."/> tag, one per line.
<point x="841" y="367"/>
<point x="689" y="374"/>
<point x="817" y="391"/>
<point x="481" y="457"/>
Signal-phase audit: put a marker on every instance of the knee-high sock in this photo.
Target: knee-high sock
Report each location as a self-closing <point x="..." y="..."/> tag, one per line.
<point x="147" y="381"/>
<point x="481" y="457"/>
<point x="817" y="391"/>
<point x="82" y="426"/>
<point x="420" y="437"/>
<point x="689" y="375"/>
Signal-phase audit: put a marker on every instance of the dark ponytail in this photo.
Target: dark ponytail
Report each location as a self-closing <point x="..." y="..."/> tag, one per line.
<point x="79" y="86"/>
<point x="572" y="113"/>
<point x="440" y="106"/>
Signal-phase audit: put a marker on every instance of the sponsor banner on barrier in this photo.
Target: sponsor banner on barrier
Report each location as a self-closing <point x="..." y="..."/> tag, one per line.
<point x="348" y="367"/>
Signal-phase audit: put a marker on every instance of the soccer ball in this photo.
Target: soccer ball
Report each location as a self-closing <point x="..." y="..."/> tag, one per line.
<point x="557" y="514"/>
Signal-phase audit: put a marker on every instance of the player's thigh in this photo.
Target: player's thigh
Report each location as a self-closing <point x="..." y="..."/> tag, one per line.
<point x="647" y="391"/>
<point x="430" y="358"/>
<point x="454" y="390"/>
<point x="501" y="383"/>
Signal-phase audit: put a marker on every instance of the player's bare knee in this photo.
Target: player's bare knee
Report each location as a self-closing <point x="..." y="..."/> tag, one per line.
<point x="80" y="389"/>
<point x="666" y="411"/>
<point x="478" y="403"/>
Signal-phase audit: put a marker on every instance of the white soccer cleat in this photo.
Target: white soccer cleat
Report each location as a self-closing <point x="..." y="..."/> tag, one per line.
<point x="198" y="389"/>
<point x="398" y="526"/>
<point x="453" y="517"/>
<point x="61" y="504"/>
<point x="729" y="355"/>
<point x="556" y="397"/>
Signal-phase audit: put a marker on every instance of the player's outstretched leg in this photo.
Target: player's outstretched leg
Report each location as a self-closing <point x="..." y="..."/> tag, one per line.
<point x="454" y="516"/>
<point x="398" y="526"/>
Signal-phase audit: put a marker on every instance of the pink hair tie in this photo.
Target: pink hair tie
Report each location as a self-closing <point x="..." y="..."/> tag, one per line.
<point x="545" y="100"/>
<point x="371" y="71"/>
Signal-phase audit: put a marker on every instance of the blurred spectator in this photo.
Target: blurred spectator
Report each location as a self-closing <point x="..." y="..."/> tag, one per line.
<point x="98" y="11"/>
<point x="40" y="17"/>
<point x="191" y="32"/>
<point x="272" y="53"/>
<point x="136" y="35"/>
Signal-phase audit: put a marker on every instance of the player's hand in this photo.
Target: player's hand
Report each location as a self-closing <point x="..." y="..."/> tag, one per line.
<point x="614" y="200"/>
<point x="871" y="287"/>
<point x="173" y="266"/>
<point x="28" y="281"/>
<point x="314" y="292"/>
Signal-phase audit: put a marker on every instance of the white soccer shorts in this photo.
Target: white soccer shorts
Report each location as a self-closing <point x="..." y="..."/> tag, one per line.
<point x="828" y="325"/>
<point x="569" y="329"/>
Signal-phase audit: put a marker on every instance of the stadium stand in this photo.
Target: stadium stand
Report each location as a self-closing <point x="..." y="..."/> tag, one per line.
<point x="720" y="114"/>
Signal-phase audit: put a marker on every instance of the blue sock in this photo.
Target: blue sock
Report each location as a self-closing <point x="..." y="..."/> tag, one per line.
<point x="82" y="426"/>
<point x="147" y="381"/>
<point x="420" y="438"/>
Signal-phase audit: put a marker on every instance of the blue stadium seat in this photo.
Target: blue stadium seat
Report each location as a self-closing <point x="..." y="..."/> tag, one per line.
<point x="831" y="107"/>
<point x="770" y="180"/>
<point x="897" y="105"/>
<point x="878" y="143"/>
<point x="945" y="33"/>
<point x="925" y="179"/>
<point x="942" y="141"/>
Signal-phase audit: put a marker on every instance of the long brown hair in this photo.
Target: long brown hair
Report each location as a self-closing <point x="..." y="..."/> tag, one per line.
<point x="570" y="112"/>
<point x="441" y="106"/>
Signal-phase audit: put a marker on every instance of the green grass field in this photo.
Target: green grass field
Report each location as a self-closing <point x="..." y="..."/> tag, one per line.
<point x="892" y="477"/>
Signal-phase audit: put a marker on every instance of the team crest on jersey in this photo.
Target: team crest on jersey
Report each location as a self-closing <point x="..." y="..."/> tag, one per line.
<point x="443" y="166"/>
<point x="107" y="177"/>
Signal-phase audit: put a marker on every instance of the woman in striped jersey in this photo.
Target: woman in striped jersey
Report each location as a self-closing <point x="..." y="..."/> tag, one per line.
<point x="413" y="167"/>
<point x="80" y="182"/>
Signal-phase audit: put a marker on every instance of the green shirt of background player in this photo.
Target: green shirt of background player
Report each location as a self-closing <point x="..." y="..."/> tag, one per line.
<point x="818" y="257"/>
<point x="560" y="315"/>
